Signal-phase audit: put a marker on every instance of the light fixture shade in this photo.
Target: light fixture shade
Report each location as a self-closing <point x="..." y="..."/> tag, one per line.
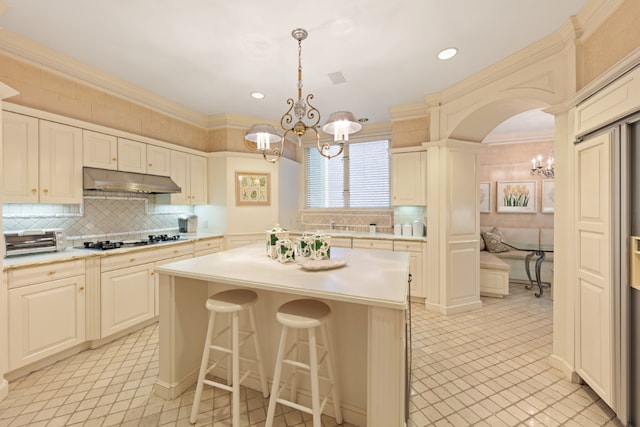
<point x="260" y="137"/>
<point x="263" y="133"/>
<point x="341" y="124"/>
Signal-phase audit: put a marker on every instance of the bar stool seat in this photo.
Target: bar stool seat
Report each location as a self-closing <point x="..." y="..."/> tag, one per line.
<point x="305" y="314"/>
<point x="231" y="302"/>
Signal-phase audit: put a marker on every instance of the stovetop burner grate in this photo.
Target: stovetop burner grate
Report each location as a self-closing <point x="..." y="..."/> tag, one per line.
<point x="104" y="245"/>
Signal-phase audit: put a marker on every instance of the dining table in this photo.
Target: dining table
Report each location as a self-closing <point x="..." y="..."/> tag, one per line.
<point x="539" y="251"/>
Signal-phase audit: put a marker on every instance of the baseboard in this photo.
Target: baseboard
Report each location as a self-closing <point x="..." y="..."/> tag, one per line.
<point x="565" y="368"/>
<point x="461" y="308"/>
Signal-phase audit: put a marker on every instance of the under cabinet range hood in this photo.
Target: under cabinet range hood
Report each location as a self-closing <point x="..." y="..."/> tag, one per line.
<point x="112" y="180"/>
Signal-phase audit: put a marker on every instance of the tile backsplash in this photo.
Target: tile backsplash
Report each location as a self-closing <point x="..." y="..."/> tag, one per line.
<point x="116" y="215"/>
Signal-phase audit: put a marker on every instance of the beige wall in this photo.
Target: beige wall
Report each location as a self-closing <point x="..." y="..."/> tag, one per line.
<point x="48" y="91"/>
<point x="409" y="132"/>
<point x="618" y="36"/>
<point x="512" y="162"/>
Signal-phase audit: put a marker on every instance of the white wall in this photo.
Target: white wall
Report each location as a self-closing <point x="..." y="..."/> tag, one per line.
<point x="222" y="216"/>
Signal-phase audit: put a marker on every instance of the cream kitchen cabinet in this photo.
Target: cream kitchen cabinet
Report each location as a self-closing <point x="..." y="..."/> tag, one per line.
<point x="46" y="311"/>
<point x="158" y="160"/>
<point x="127" y="297"/>
<point x="207" y="246"/>
<point x="132" y="156"/>
<point x="128" y="285"/>
<point x="99" y="150"/>
<point x="42" y="161"/>
<point x="409" y="178"/>
<point x="381" y="244"/>
<point x="189" y="171"/>
<point x="417" y="258"/>
<point x="109" y="152"/>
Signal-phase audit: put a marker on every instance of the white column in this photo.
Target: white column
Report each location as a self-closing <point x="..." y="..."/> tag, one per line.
<point x="453" y="224"/>
<point x="5" y="92"/>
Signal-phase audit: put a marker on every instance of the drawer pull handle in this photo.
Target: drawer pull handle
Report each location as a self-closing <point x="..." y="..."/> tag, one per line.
<point x="81" y="288"/>
<point x="51" y="273"/>
<point x="114" y="159"/>
<point x="132" y="260"/>
<point x="33" y="190"/>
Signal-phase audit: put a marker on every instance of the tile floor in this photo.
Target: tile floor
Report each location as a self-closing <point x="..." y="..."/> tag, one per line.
<point x="486" y="368"/>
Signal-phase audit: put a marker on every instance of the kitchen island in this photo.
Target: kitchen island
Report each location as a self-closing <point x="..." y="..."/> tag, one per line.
<point x="369" y="302"/>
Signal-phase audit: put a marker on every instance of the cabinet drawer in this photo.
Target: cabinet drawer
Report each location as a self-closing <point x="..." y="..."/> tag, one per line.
<point x="341" y="242"/>
<point x="207" y="244"/>
<point x="44" y="273"/>
<point x="404" y="246"/>
<point x="373" y="244"/>
<point x="144" y="256"/>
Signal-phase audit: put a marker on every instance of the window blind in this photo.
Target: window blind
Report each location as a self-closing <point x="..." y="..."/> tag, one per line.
<point x="358" y="178"/>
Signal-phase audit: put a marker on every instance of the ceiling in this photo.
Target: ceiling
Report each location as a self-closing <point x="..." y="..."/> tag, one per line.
<point x="209" y="55"/>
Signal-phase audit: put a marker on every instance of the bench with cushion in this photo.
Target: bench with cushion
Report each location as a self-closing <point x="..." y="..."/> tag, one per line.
<point x="515" y="258"/>
<point x="494" y="275"/>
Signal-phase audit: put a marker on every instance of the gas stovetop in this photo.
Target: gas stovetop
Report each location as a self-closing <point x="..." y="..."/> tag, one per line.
<point x="105" y="245"/>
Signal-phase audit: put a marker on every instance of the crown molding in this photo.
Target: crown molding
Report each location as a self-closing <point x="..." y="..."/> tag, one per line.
<point x="409" y="111"/>
<point x="23" y="49"/>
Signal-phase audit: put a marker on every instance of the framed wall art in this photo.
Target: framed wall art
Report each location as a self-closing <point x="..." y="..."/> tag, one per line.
<point x="516" y="197"/>
<point x="548" y="195"/>
<point x="485" y="197"/>
<point x="253" y="189"/>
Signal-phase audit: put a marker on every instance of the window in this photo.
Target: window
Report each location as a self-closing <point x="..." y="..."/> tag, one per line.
<point x="358" y="178"/>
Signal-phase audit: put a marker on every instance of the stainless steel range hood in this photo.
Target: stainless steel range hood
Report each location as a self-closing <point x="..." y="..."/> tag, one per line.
<point x="111" y="180"/>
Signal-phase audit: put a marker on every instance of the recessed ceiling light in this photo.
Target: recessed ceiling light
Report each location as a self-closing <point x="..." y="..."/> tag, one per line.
<point x="257" y="95"/>
<point x="448" y="53"/>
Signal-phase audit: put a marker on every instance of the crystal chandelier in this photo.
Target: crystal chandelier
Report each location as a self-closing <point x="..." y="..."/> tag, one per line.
<point x="544" y="170"/>
<point x="341" y="124"/>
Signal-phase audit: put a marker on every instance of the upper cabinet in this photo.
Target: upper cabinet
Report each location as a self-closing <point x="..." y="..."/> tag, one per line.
<point x="109" y="152"/>
<point x="42" y="161"/>
<point x="99" y="150"/>
<point x="409" y="178"/>
<point x="158" y="160"/>
<point x="189" y="171"/>
<point x="132" y="156"/>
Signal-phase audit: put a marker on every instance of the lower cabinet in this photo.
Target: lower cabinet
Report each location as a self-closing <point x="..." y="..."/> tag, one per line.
<point x="417" y="252"/>
<point x="127" y="298"/>
<point x="45" y="318"/>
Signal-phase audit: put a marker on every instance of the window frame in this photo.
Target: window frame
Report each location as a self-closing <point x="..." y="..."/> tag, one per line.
<point x="346" y="177"/>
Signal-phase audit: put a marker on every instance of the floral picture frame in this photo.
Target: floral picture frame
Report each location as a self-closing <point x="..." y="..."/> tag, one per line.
<point x="253" y="188"/>
<point x="548" y="195"/>
<point x="516" y="197"/>
<point x="485" y="197"/>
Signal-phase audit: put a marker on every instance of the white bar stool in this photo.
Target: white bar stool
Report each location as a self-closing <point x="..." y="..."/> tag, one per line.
<point x="231" y="302"/>
<point x="304" y="314"/>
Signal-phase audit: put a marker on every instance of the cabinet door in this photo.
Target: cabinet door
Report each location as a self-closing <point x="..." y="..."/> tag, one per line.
<point x="45" y="319"/>
<point x="198" y="180"/>
<point x="180" y="174"/>
<point x="594" y="259"/>
<point x="60" y="163"/>
<point x="132" y="156"/>
<point x="408" y="178"/>
<point x="127" y="298"/>
<point x="20" y="158"/>
<point x="158" y="160"/>
<point x="99" y="150"/>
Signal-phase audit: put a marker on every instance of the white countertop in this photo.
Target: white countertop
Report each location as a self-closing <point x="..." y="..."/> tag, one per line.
<point x="371" y="277"/>
<point x="362" y="235"/>
<point x="72" y="253"/>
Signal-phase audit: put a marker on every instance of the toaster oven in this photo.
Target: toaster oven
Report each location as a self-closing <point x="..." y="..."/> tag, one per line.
<point x="26" y="242"/>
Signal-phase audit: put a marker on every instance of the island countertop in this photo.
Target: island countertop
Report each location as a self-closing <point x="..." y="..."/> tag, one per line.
<point x="370" y="277"/>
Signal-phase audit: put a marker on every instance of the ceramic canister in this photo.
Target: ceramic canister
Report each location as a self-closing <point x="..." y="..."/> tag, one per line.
<point x="320" y="247"/>
<point x="273" y="236"/>
<point x="303" y="246"/>
<point x="286" y="250"/>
